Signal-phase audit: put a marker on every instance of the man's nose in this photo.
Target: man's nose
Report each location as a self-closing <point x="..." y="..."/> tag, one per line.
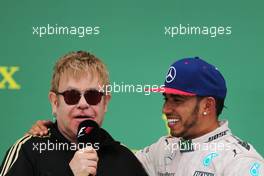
<point x="82" y="103"/>
<point x="167" y="107"/>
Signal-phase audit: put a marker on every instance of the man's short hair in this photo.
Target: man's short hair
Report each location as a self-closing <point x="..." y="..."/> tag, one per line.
<point x="219" y="105"/>
<point x="77" y="64"/>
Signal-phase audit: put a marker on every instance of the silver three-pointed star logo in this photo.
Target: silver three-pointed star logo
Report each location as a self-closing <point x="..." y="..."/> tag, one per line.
<point x="171" y="74"/>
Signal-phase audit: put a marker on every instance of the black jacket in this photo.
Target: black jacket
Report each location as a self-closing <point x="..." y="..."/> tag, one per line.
<point x="50" y="156"/>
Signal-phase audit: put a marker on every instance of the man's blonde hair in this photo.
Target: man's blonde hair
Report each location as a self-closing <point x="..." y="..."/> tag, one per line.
<point x="77" y="64"/>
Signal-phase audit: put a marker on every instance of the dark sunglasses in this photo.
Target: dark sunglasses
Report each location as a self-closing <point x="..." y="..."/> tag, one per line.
<point x="72" y="97"/>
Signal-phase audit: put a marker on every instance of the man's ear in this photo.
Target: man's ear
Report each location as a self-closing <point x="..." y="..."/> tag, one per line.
<point x="107" y="98"/>
<point x="54" y="102"/>
<point x="208" y="106"/>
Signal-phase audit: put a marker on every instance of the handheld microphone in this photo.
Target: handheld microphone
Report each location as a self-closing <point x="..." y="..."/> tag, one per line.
<point x="88" y="134"/>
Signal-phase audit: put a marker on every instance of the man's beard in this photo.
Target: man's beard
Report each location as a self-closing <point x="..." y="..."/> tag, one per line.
<point x="190" y="123"/>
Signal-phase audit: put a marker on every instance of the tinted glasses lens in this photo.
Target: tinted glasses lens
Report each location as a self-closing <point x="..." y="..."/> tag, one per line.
<point x="93" y="97"/>
<point x="71" y="97"/>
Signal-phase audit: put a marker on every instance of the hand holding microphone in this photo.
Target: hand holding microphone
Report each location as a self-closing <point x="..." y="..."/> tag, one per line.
<point x="84" y="161"/>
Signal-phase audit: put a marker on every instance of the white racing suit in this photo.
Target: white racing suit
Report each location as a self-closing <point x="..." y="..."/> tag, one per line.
<point x="217" y="153"/>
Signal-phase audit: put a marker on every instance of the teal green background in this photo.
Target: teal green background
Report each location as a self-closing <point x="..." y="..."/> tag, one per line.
<point x="133" y="45"/>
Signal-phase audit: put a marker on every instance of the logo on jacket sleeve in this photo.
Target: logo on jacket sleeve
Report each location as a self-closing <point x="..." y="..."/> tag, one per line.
<point x="254" y="170"/>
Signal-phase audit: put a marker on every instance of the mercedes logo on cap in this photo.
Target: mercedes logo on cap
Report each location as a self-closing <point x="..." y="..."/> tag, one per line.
<point x="171" y="74"/>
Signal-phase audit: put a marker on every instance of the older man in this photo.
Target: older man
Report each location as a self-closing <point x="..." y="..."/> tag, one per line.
<point x="74" y="97"/>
